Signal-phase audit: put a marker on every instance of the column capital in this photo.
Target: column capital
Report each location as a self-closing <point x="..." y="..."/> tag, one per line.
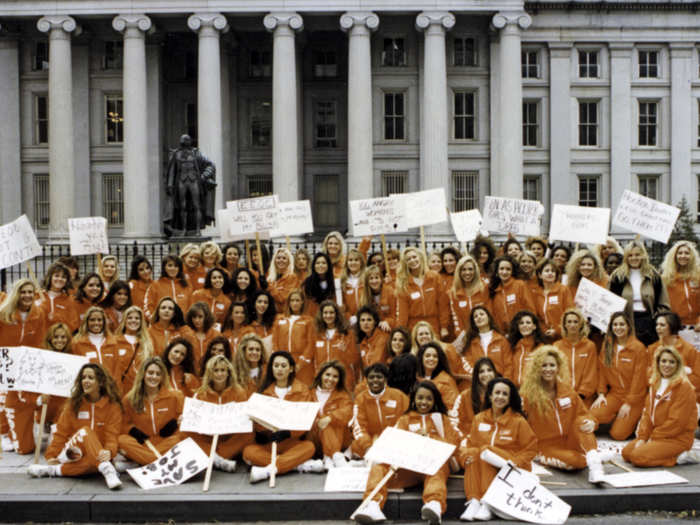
<point x="353" y="19"/>
<point x="140" y="21"/>
<point x="292" y="20"/>
<point x="216" y="21"/>
<point x="427" y="19"/>
<point x="66" y="23"/>
<point x="503" y="19"/>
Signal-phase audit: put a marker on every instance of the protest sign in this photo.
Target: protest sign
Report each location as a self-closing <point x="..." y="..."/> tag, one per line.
<point x="408" y="450"/>
<point x="516" y="216"/>
<point x="279" y="414"/>
<point x="377" y="216"/>
<point x="176" y="466"/>
<point x="517" y="494"/>
<point x="643" y="478"/>
<point x="41" y="371"/>
<point x="211" y="419"/>
<point x="294" y="219"/>
<point x="424" y="207"/>
<point x="88" y="235"/>
<point x="597" y="304"/>
<point x="18" y="242"/>
<point x="691" y="336"/>
<point x="6" y="382"/>
<point x="243" y="218"/>
<point x="648" y="217"/>
<point x="466" y="224"/>
<point x="579" y="224"/>
<point x="346" y="479"/>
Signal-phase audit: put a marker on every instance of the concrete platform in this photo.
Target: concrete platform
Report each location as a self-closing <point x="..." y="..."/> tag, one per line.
<point x="296" y="497"/>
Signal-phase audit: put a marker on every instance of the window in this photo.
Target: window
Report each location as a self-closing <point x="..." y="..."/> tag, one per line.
<point x="326" y="124"/>
<point x="259" y="185"/>
<point x="191" y="121"/>
<point x="260" y="123"/>
<point x="649" y="186"/>
<point x="587" y="123"/>
<point x="394" y="181"/>
<point x="40" y="58"/>
<point x="41" y="119"/>
<point x="394" y="116"/>
<point x="531" y="126"/>
<point x="465" y="52"/>
<point x="648" y="64"/>
<point x="114" y="55"/>
<point x="465" y="190"/>
<point x="530" y="64"/>
<point x="325" y="64"/>
<point x="531" y="187"/>
<point x="588" y="191"/>
<point x="114" y="119"/>
<point x="326" y="201"/>
<point x="648" y="116"/>
<point x="588" y="64"/>
<point x="394" y="54"/>
<point x="113" y="198"/>
<point x="464" y="115"/>
<point x="40" y="182"/>
<point x="260" y="63"/>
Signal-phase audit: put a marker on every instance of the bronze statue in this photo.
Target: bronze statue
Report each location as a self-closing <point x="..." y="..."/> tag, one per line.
<point x="190" y="186"/>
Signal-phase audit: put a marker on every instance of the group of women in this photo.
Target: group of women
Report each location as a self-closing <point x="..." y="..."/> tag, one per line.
<point x="484" y="350"/>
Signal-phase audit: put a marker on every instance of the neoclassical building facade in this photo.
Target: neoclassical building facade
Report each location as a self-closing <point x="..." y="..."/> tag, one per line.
<point x="563" y="102"/>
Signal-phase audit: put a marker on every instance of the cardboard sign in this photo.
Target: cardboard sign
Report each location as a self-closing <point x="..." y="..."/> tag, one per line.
<point x="597" y="304"/>
<point x="643" y="478"/>
<point x="294" y="219"/>
<point x="579" y="224"/>
<point x="347" y="479"/>
<point x="409" y="451"/>
<point x="279" y="414"/>
<point x="18" y="243"/>
<point x="648" y="217"/>
<point x="176" y="466"/>
<point x="6" y="362"/>
<point x="376" y="216"/>
<point x="516" y="216"/>
<point x="424" y="207"/>
<point x="467" y="225"/>
<point x="41" y="371"/>
<point x="88" y="235"/>
<point x="243" y="218"/>
<point x="517" y="494"/>
<point x="211" y="418"/>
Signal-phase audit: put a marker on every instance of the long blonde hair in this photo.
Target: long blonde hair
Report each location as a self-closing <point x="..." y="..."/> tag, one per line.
<point x="623" y="271"/>
<point x="573" y="274"/>
<point x="532" y="388"/>
<point x="272" y="274"/>
<point x="137" y="394"/>
<point x="475" y="286"/>
<point x="583" y="323"/>
<point x="208" y="377"/>
<point x="142" y="336"/>
<point x="366" y="293"/>
<point x="345" y="274"/>
<point x="100" y="269"/>
<point x="341" y="241"/>
<point x="680" y="367"/>
<point x="403" y="274"/>
<point x="83" y="330"/>
<point x="241" y="368"/>
<point x="9" y="305"/>
<point x="669" y="268"/>
<point x="415" y="347"/>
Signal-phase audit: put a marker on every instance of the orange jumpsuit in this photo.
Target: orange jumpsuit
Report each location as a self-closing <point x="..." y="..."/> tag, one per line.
<point x="155" y="415"/>
<point x="509" y="436"/>
<point x="373" y="413"/>
<point x="166" y="287"/>
<point x="684" y="297"/>
<point x="217" y="305"/>
<point x="423" y="303"/>
<point x="183" y="381"/>
<point x="234" y="336"/>
<point x="199" y="346"/>
<point x="461" y="307"/>
<point x="667" y="426"/>
<point x="551" y="305"/>
<point x="508" y="300"/>
<point x="114" y="318"/>
<point x="281" y="288"/>
<point x="522" y="355"/>
<point x="292" y="451"/>
<point x="138" y="292"/>
<point x="560" y="441"/>
<point x="128" y="361"/>
<point x="106" y="355"/>
<point x="690" y="361"/>
<point x="373" y="348"/>
<point x="498" y="351"/>
<point x="385" y="304"/>
<point x="160" y="336"/>
<point x="435" y="426"/>
<point x="341" y="347"/>
<point x="351" y="298"/>
<point x="622" y="382"/>
<point x="336" y="436"/>
<point x="59" y="309"/>
<point x="583" y="365"/>
<point x="462" y="413"/>
<point x="195" y="278"/>
<point x="81" y="307"/>
<point x="95" y="427"/>
<point x="447" y="387"/>
<point x="295" y="334"/>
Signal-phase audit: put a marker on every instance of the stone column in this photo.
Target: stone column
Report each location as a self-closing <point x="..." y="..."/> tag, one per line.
<point x="562" y="189"/>
<point x="61" y="144"/>
<point x="10" y="141"/>
<point x="209" y="27"/>
<point x="681" y="120"/>
<point x="509" y="181"/>
<point x="359" y="26"/>
<point x="285" y="139"/>
<point x="136" y="173"/>
<point x="621" y="128"/>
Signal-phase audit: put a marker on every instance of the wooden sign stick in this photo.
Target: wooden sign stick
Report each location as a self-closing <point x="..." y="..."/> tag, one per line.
<point x="384" y="253"/>
<point x="289" y="243"/>
<point x="422" y="242"/>
<point x="153" y="449"/>
<point x="207" y="476"/>
<point x="384" y="481"/>
<point x="247" y="254"/>
<point x="260" y="257"/>
<point x="620" y="465"/>
<point x="40" y="436"/>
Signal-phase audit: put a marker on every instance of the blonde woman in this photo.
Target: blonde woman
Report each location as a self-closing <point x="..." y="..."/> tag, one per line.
<point x="334" y="246"/>
<point x="210" y="255"/>
<point x="95" y="341"/>
<point x="584" y="263"/>
<point x="460" y="368"/>
<point x="134" y="345"/>
<point x="680" y="272"/>
<point x="468" y="291"/>
<point x="350" y="283"/>
<point x="281" y="278"/>
<point x="108" y="270"/>
<point x="378" y="294"/>
<point x="192" y="268"/>
<point x="249" y="363"/>
<point x="580" y="352"/>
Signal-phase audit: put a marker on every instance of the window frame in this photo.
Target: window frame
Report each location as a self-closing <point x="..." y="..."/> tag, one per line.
<point x="265" y="68"/>
<point x="587" y="126"/>
<point x="36" y="55"/>
<point x="40" y="122"/>
<point x="537" y="180"/>
<point x="402" y="116"/>
<point x="317" y="123"/>
<point x="580" y="66"/>
<point x="119" y="124"/>
<point x="526" y="65"/>
<point x="474" y="52"/>
<point x="390" y="187"/>
<point x="259" y="178"/>
<point x="640" y="65"/>
<point x="656" y="124"/>
<point x="536" y="125"/>
<point x="403" y="62"/>
<point x="252" y="114"/>
<point x="469" y="202"/>
<point x="645" y="179"/>
<point x="117" y="44"/>
<point x="586" y="178"/>
<point x="464" y="92"/>
<point x="41" y="206"/>
<point x="108" y="204"/>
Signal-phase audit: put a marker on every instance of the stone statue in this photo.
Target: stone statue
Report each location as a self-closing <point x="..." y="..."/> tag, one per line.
<point x="190" y="185"/>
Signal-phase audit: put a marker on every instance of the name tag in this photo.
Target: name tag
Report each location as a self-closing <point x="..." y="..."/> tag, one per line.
<point x="583" y="355"/>
<point x="100" y="423"/>
<point x="484" y="427"/>
<point x="510" y="298"/>
<point x="429" y="289"/>
<point x="391" y="403"/>
<point x="60" y="306"/>
<point x="553" y="299"/>
<point x="319" y="344"/>
<point x="163" y="409"/>
<point x="415" y="295"/>
<point x="414" y="427"/>
<point x="496" y="349"/>
<point x="506" y="438"/>
<point x="282" y="321"/>
<point x="349" y="292"/>
<point x="565" y="402"/>
<point x="384" y="307"/>
<point x="122" y="351"/>
<point x="84" y="415"/>
<point x="90" y="355"/>
<point x="626" y="359"/>
<point x="463" y="304"/>
<point x="200" y="279"/>
<point x="219" y="306"/>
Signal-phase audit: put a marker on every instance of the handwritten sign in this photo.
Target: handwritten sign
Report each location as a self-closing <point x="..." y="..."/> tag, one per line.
<point x="6" y="363"/>
<point x="211" y="418"/>
<point x="516" y="216"/>
<point x="597" y="304"/>
<point x="377" y="216"/>
<point x="346" y="479"/>
<point x="579" y="224"/>
<point x="648" y="217"/>
<point x="294" y="219"/>
<point x="410" y="451"/>
<point x="18" y="242"/>
<point x="243" y="218"/>
<point x="41" y="371"/>
<point x="467" y="225"/>
<point x="176" y="466"/>
<point x="88" y="235"/>
<point x="643" y="479"/>
<point x="424" y="207"/>
<point x="517" y="494"/>
<point x="279" y="414"/>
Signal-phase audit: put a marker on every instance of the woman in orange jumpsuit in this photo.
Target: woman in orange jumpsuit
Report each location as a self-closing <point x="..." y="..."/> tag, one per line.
<point x="552" y="299"/>
<point x="585" y="264"/>
<point x="115" y="303"/>
<point x="294" y="332"/>
<point x="334" y="341"/>
<point x="237" y="323"/>
<point x="525" y="336"/>
<point x="281" y="279"/>
<point x="55" y="299"/>
<point x="263" y="316"/>
<point x="467" y="292"/>
<point x="680" y="272"/>
<point x="140" y="278"/>
<point x="376" y="293"/>
<point x="58" y="339"/>
<point x="508" y="295"/>
<point x="351" y="280"/>
<point x="320" y="285"/>
<point x="199" y="329"/>
<point x="134" y="345"/>
<point x="484" y="340"/>
<point x="581" y="354"/>
<point x="213" y="294"/>
<point x="179" y="361"/>
<point x="96" y="342"/>
<point x="460" y="368"/>
<point x="471" y="400"/>
<point x="433" y="366"/>
<point x="172" y="283"/>
<point x="192" y="268"/>
<point x="249" y="363"/>
<point x="166" y="324"/>
<point x="89" y="293"/>
<point x="371" y="339"/>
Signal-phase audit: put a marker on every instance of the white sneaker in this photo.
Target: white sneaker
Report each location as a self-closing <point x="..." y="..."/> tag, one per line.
<point x="312" y="466"/>
<point x="122" y="465"/>
<point x="110" y="474"/>
<point x="357" y="463"/>
<point x="688" y="457"/>
<point x="472" y="506"/>
<point x="606" y="455"/>
<point x="596" y="474"/>
<point x="432" y="512"/>
<point x="227" y="465"/>
<point x="43" y="471"/>
<point x="327" y="463"/>
<point x="259" y="473"/>
<point x="370" y="513"/>
<point x="484" y="513"/>
<point x="339" y="460"/>
<point x="7" y="444"/>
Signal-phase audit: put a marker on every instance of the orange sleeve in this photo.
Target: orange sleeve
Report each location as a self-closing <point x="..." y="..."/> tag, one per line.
<point x="681" y="410"/>
<point x="113" y="425"/>
<point x="635" y="394"/>
<point x="645" y="426"/>
<point x="343" y="412"/>
<point x="589" y="379"/>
